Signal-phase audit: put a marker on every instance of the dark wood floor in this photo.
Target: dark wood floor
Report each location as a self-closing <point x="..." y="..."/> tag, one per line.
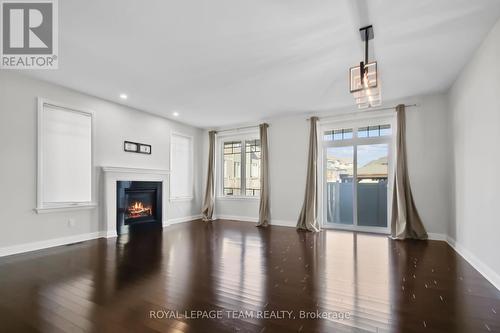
<point x="113" y="285"/>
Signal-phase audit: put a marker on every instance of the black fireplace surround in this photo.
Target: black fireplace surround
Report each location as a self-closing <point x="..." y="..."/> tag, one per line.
<point x="138" y="203"/>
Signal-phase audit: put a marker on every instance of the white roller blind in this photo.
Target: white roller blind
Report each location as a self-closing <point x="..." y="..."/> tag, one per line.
<point x="181" y="177"/>
<point x="66" y="156"/>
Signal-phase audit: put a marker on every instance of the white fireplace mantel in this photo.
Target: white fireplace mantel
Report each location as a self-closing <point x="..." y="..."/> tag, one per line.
<point x="114" y="174"/>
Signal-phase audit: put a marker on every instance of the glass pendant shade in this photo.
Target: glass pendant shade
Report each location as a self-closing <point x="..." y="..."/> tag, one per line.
<point x="366" y="91"/>
<point x="370" y="77"/>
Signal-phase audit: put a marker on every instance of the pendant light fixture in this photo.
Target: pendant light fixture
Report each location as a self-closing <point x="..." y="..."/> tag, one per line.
<point x="363" y="79"/>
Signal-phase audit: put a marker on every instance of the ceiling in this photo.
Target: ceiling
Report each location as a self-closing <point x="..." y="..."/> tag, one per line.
<point x="223" y="62"/>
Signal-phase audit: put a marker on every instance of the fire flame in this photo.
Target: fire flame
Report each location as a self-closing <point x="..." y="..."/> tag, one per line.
<point x="137" y="209"/>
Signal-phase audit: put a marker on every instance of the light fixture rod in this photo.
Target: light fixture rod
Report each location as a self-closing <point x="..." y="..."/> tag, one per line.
<point x="366" y="46"/>
<point x="366" y="34"/>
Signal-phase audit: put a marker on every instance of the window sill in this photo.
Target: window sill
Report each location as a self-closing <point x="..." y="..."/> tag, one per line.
<point x="66" y="208"/>
<point x="180" y="199"/>
<point x="237" y="198"/>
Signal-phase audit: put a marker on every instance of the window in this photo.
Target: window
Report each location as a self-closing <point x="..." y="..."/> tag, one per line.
<point x="232" y="168"/>
<point x="252" y="168"/>
<point x="241" y="168"/>
<point x="339" y="134"/>
<point x="374" y="131"/>
<point x="181" y="165"/>
<point x="362" y="132"/>
<point x="65" y="163"/>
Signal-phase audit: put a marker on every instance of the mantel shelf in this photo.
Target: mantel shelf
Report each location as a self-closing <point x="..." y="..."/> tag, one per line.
<point x="108" y="169"/>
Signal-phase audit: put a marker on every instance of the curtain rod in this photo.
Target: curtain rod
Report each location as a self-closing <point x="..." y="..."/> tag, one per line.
<point x="370" y="110"/>
<point x="237" y="128"/>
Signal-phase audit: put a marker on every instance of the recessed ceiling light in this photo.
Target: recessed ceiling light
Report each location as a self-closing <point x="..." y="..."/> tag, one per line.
<point x="123" y="96"/>
<point x="176" y="114"/>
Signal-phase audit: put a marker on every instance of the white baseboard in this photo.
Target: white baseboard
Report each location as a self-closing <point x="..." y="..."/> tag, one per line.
<point x="181" y="220"/>
<point x="281" y="223"/>
<point x="293" y="224"/>
<point x="475" y="262"/>
<point x="34" y="246"/>
<point x="237" y="218"/>
<point x="437" y="236"/>
<point x="481" y="267"/>
<point x="110" y="234"/>
<point x="284" y="223"/>
<point x="45" y="244"/>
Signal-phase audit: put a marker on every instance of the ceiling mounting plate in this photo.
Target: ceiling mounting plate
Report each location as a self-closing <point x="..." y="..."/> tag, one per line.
<point x="366" y="32"/>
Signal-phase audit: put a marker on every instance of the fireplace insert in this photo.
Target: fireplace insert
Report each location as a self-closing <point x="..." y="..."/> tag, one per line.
<point x="138" y="203"/>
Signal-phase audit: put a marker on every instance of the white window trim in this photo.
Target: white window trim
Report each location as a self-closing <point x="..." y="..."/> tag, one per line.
<point x="221" y="139"/>
<point x="191" y="172"/>
<point x="41" y="206"/>
<point x="353" y="121"/>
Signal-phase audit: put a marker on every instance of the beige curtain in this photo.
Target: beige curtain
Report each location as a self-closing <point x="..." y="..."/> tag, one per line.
<point x="405" y="221"/>
<point x="207" y="210"/>
<point x="308" y="219"/>
<point x="264" y="211"/>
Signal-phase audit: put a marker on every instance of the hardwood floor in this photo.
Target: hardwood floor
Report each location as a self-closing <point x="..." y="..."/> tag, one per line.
<point x="124" y="284"/>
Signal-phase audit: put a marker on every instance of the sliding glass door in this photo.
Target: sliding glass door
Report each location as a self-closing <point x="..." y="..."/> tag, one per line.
<point x="357" y="169"/>
<point x="371" y="185"/>
<point x="339" y="185"/>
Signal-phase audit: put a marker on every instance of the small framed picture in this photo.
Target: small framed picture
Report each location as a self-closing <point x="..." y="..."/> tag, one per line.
<point x="131" y="146"/>
<point x="144" y="149"/>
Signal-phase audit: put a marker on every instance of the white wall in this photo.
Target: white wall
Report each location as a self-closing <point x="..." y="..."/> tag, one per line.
<point x="429" y="163"/>
<point x="428" y="157"/>
<point x="475" y="117"/>
<point x="114" y="123"/>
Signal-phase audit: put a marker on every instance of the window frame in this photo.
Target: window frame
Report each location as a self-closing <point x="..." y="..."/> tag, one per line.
<point x="223" y="138"/>
<point x="191" y="166"/>
<point x="41" y="205"/>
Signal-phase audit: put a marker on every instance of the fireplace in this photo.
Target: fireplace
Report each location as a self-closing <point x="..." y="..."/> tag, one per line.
<point x="138" y="203"/>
